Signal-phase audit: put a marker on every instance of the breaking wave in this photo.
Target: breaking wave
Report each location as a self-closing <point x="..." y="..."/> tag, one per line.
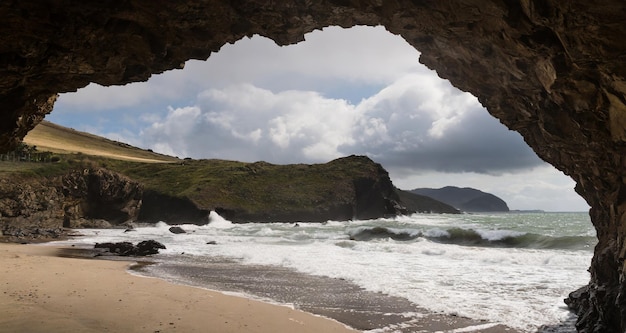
<point x="472" y="237"/>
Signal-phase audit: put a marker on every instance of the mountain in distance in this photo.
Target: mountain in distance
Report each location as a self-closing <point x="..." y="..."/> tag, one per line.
<point x="423" y="203"/>
<point x="466" y="199"/>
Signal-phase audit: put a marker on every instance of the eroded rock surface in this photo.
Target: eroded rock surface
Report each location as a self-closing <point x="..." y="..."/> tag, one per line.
<point x="143" y="248"/>
<point x="96" y="198"/>
<point x="551" y="70"/>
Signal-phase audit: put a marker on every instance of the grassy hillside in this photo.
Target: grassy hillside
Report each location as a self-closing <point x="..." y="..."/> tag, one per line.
<point x="62" y="140"/>
<point x="207" y="183"/>
<point x="256" y="186"/>
<point x="345" y="188"/>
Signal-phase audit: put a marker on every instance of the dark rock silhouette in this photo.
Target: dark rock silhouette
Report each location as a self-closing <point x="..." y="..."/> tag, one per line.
<point x="125" y="249"/>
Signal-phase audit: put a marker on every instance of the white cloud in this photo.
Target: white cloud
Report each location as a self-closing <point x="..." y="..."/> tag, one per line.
<point x="393" y="126"/>
<point x="249" y="123"/>
<point x="174" y="131"/>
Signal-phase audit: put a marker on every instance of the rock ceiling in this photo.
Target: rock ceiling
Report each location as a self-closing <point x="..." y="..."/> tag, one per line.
<point x="552" y="70"/>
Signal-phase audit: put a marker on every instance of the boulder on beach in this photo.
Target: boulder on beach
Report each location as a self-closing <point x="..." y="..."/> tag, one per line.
<point x="120" y="248"/>
<point x="148" y="247"/>
<point x="128" y="249"/>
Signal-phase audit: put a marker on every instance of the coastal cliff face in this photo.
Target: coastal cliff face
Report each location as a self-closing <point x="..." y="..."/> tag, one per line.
<point x="353" y="187"/>
<point x="99" y="194"/>
<point x="91" y="197"/>
<point x="348" y="188"/>
<point x="36" y="203"/>
<point x="552" y="70"/>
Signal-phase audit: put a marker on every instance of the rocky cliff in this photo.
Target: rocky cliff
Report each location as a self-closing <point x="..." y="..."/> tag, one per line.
<point x="91" y="197"/>
<point x="99" y="194"/>
<point x="353" y="187"/>
<point x="552" y="70"/>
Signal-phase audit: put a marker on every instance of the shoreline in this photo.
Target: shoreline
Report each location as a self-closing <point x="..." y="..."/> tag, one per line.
<point x="42" y="292"/>
<point x="176" y="305"/>
<point x="333" y="299"/>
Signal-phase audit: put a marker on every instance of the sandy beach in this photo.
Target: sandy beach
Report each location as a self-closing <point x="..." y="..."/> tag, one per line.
<point x="40" y="292"/>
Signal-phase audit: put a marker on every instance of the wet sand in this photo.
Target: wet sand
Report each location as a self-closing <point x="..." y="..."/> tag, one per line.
<point x="40" y="292"/>
<point x="333" y="298"/>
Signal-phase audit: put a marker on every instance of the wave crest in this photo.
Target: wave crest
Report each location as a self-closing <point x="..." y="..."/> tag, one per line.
<point x="472" y="237"/>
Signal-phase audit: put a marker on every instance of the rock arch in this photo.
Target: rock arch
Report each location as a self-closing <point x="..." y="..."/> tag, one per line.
<point x="552" y="70"/>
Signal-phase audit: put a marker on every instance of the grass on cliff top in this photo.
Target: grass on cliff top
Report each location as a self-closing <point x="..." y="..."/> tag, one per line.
<point x="253" y="187"/>
<point x="65" y="164"/>
<point x="256" y="186"/>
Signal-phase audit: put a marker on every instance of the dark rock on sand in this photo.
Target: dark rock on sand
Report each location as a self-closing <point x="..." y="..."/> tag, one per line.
<point x="148" y="247"/>
<point x="120" y="248"/>
<point x="128" y="249"/>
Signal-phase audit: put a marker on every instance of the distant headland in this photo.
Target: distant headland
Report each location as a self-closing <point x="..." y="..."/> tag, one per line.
<point x="465" y="199"/>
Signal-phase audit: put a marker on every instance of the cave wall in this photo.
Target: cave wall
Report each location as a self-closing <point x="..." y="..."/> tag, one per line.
<point x="551" y="70"/>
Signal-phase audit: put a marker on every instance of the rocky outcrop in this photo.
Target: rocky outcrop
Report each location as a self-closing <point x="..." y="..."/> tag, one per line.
<point x="125" y="249"/>
<point x="466" y="199"/>
<point x="353" y="187"/>
<point x="33" y="202"/>
<point x="374" y="193"/>
<point x="158" y="206"/>
<point x="33" y="207"/>
<point x="99" y="194"/>
<point x="551" y="70"/>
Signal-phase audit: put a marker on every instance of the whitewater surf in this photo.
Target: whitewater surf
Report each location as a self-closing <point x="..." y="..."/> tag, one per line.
<point x="512" y="269"/>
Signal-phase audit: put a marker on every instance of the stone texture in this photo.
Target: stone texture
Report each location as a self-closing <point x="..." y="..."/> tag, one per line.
<point x="125" y="249"/>
<point x="88" y="198"/>
<point x="551" y="70"/>
<point x="100" y="194"/>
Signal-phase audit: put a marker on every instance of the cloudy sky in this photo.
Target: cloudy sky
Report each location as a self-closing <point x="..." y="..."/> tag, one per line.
<point x="341" y="92"/>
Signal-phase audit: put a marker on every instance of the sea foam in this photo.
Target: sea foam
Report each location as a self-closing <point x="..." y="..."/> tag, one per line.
<point x="500" y="276"/>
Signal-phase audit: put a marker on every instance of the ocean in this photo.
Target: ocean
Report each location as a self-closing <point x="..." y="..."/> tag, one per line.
<point x="384" y="275"/>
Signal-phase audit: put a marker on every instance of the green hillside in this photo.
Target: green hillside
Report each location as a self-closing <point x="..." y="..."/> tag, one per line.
<point x="186" y="190"/>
